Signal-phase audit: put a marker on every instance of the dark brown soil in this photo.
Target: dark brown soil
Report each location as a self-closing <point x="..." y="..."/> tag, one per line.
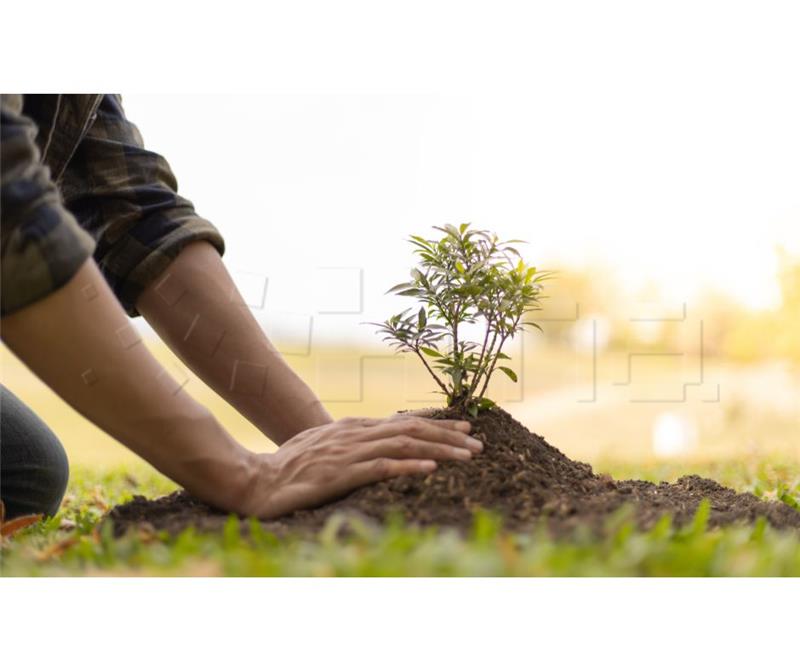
<point x="518" y="475"/>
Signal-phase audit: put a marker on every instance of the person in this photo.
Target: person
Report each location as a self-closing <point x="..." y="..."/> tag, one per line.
<point x="93" y="228"/>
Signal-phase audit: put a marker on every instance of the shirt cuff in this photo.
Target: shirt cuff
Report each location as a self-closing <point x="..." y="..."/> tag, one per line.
<point x="40" y="255"/>
<point x="148" y="262"/>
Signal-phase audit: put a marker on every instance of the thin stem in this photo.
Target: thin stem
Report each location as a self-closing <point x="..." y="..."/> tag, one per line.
<point x="479" y="367"/>
<point x="434" y="375"/>
<point x="491" y="368"/>
<point x="497" y="354"/>
<point x="456" y="387"/>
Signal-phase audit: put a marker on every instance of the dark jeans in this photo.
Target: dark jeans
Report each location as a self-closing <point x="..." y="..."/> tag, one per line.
<point x="33" y="465"/>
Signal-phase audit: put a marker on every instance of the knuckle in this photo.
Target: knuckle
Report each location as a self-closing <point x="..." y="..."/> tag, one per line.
<point x="337" y="449"/>
<point x="383" y="467"/>
<point x="404" y="442"/>
<point x="346" y="435"/>
<point x="416" y="427"/>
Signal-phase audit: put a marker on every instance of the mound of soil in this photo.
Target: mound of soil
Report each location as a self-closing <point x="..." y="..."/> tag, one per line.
<point x="518" y="475"/>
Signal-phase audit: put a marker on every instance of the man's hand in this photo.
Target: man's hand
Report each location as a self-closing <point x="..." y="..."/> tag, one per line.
<point x="326" y="462"/>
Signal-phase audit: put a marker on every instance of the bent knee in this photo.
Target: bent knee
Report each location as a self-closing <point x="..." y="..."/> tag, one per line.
<point x="35" y="469"/>
<point x="55" y="477"/>
<point x="37" y="484"/>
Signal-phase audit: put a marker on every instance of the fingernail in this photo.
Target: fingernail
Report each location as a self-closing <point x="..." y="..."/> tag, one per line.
<point x="462" y="454"/>
<point x="463" y="426"/>
<point x="428" y="466"/>
<point x="474" y="443"/>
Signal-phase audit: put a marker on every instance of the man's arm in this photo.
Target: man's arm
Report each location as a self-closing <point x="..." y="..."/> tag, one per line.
<point x="197" y="310"/>
<point x="78" y="341"/>
<point x="127" y="196"/>
<point x="61" y="319"/>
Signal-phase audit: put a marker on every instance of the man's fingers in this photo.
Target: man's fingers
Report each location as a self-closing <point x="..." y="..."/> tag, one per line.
<point x="366" y="472"/>
<point x="421" y="429"/>
<point x="406" y="447"/>
<point x="454" y="424"/>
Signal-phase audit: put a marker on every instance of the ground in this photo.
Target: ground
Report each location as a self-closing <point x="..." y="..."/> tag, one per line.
<point x="76" y="542"/>
<point x="750" y="441"/>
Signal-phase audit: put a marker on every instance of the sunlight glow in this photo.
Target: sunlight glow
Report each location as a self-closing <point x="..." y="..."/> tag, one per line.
<point x="687" y="183"/>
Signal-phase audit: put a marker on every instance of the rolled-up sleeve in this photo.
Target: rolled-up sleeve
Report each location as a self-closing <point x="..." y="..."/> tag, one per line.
<point x="42" y="244"/>
<point x="127" y="198"/>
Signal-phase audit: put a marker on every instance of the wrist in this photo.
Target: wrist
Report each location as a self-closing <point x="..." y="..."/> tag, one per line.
<point x="313" y="414"/>
<point x="237" y="482"/>
<point x="258" y="484"/>
<point x="280" y="422"/>
<point x="206" y="460"/>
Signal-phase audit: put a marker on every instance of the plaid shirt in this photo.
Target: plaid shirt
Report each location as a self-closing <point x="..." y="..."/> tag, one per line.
<point x="75" y="181"/>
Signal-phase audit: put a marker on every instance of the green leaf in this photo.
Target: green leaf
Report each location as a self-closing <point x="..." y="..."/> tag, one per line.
<point x="430" y="351"/>
<point x="452" y="230"/>
<point x="422" y="318"/>
<point x="789" y="500"/>
<point x="699" y="524"/>
<point x="509" y="372"/>
<point x="421" y="241"/>
<point x="398" y="287"/>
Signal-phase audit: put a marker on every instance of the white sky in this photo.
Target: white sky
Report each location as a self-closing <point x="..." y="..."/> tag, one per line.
<point x="672" y="156"/>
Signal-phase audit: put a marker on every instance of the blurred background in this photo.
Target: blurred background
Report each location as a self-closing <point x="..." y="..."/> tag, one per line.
<point x="662" y="189"/>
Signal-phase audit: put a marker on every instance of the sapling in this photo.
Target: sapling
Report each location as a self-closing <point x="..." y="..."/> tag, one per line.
<point x="468" y="276"/>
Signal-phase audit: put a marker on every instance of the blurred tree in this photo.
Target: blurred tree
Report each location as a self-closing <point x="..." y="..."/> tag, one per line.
<point x="770" y="333"/>
<point x="787" y="326"/>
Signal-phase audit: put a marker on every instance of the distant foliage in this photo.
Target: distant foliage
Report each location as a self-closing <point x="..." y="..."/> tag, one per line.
<point x="468" y="276"/>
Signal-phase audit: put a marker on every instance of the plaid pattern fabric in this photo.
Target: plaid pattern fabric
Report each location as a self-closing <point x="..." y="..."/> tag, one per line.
<point x="77" y="181"/>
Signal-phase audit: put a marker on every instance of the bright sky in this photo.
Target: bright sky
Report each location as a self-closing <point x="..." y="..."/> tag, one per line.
<point x="671" y="156"/>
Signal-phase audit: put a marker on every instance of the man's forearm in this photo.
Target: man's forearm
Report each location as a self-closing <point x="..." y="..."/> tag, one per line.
<point x="197" y="310"/>
<point x="80" y="342"/>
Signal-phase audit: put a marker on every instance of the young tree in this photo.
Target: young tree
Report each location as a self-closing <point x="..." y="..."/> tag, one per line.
<point x="468" y="276"/>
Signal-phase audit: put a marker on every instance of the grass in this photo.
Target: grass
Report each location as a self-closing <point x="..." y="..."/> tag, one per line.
<point x="76" y="542"/>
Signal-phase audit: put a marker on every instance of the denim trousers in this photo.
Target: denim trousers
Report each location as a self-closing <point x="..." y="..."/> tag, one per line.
<point x="33" y="465"/>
